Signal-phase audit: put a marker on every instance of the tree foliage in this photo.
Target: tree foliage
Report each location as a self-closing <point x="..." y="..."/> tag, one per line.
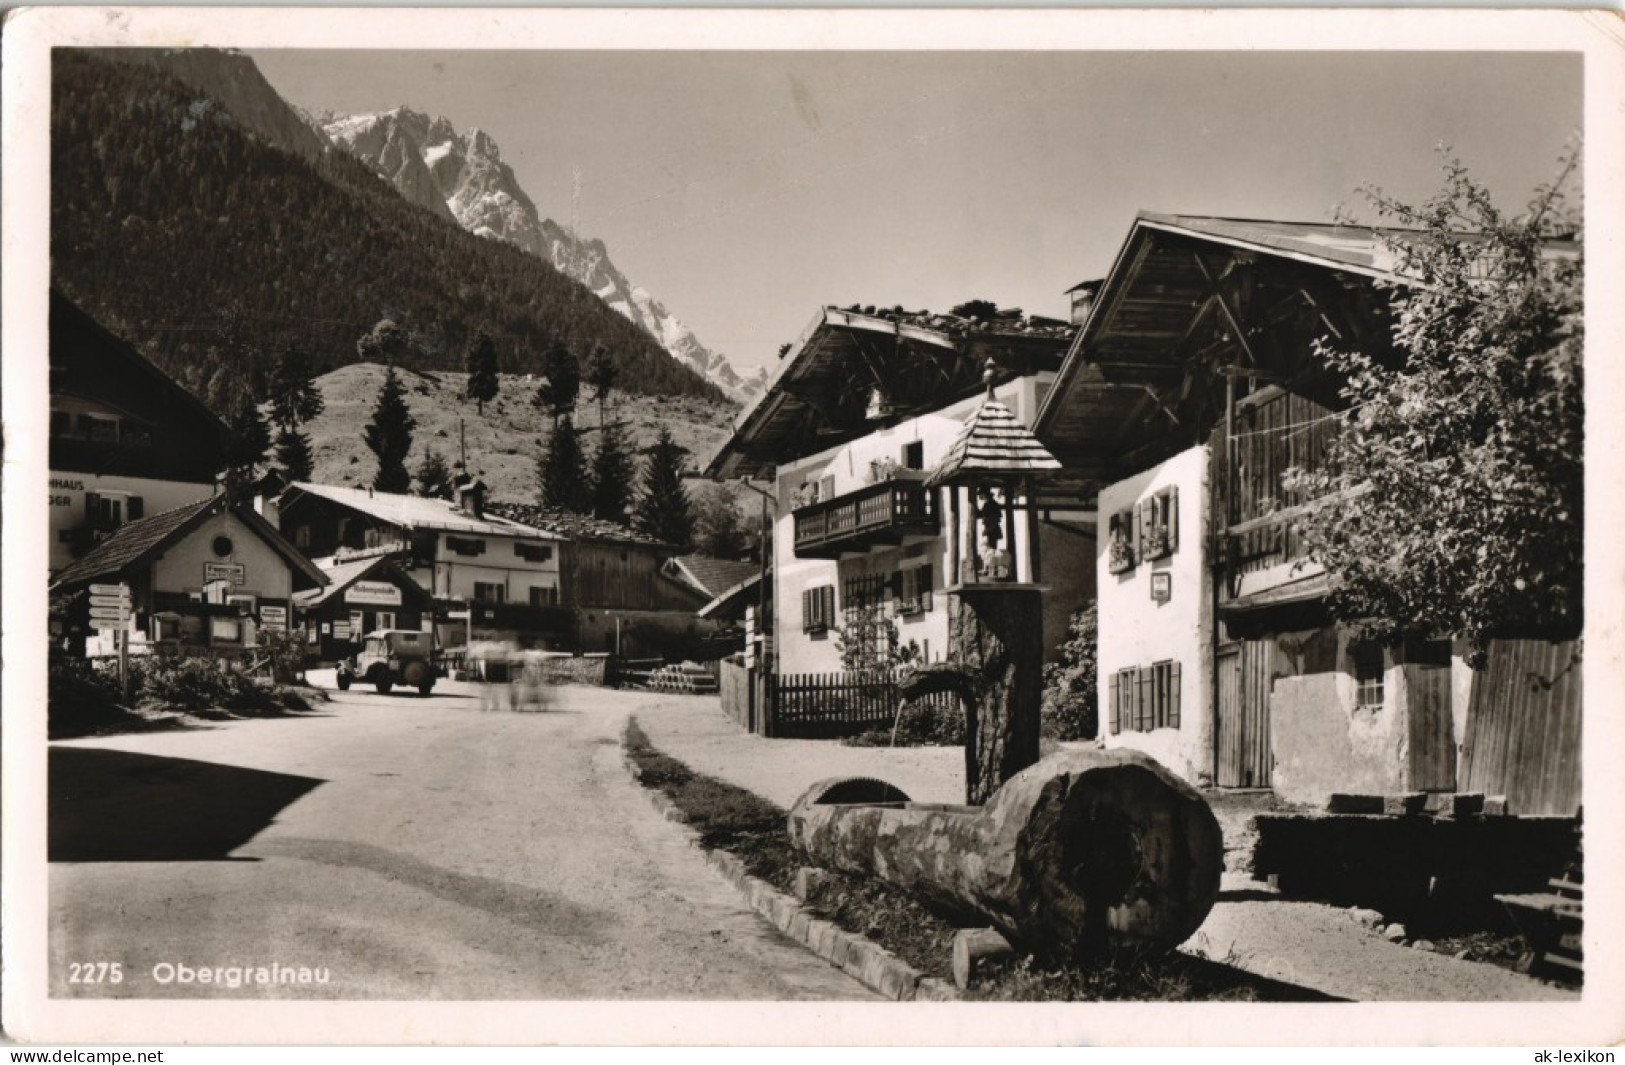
<point x="1071" y="703"/>
<point x="871" y="641"/>
<point x="389" y="435"/>
<point x="602" y="375"/>
<point x="719" y="525"/>
<point x="434" y="475"/>
<point x="561" y="387"/>
<point x="294" y="455"/>
<point x="564" y="482"/>
<point x="211" y="248"/>
<point x="295" y="399"/>
<point x="248" y="438"/>
<point x="481" y="364"/>
<point x="663" y="510"/>
<point x="613" y="475"/>
<point x="386" y="342"/>
<point x="1458" y="474"/>
<point x="983" y="309"/>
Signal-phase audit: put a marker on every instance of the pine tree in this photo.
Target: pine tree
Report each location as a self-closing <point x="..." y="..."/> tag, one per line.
<point x="293" y="454"/>
<point x="719" y="527"/>
<point x="559" y="392"/>
<point x="434" y="476"/>
<point x="663" y="510"/>
<point x="602" y="373"/>
<point x="295" y="399"/>
<point x="481" y="364"/>
<point x="389" y="435"/>
<point x="613" y="474"/>
<point x="248" y="438"/>
<point x="563" y="471"/>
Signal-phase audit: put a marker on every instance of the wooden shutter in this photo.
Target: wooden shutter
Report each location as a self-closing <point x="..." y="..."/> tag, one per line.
<point x="1173" y="695"/>
<point x="1142" y="701"/>
<point x="1140" y="518"/>
<point x="93" y="507"/>
<point x="923" y="586"/>
<point x="1173" y="519"/>
<point x="806" y="610"/>
<point x="826" y="488"/>
<point x="1111" y="706"/>
<point x="137" y="508"/>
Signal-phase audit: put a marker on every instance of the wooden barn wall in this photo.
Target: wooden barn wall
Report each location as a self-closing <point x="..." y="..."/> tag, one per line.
<point x="625" y="577"/>
<point x="1523" y="727"/>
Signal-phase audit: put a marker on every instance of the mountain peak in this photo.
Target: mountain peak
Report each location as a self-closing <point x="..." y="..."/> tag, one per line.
<point x="463" y="176"/>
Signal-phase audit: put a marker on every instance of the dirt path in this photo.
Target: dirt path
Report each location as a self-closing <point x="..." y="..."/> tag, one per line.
<point x="413" y="848"/>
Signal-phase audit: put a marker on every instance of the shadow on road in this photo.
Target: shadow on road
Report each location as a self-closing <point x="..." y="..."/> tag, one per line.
<point x="522" y="904"/>
<point x="118" y="806"/>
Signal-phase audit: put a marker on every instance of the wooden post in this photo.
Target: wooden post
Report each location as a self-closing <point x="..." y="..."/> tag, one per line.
<point x="993" y="636"/>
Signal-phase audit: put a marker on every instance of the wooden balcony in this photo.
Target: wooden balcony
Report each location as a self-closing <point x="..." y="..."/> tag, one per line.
<point x="877" y="515"/>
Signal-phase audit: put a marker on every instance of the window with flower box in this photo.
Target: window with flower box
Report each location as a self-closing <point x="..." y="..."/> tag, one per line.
<point x="818" y="608"/>
<point x="1159" y="524"/>
<point x="914" y="590"/>
<point x="1120" y="556"/>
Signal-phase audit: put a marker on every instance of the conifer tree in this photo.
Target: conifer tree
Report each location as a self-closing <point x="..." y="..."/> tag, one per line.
<point x="295" y="399"/>
<point x="294" y="455"/>
<point x="663" y="510"/>
<point x="434" y="476"/>
<point x="602" y="373"/>
<point x="481" y="364"/>
<point x="389" y="435"/>
<point x="613" y="474"/>
<point x="563" y="471"/>
<point x="558" y="393"/>
<point x="247" y="439"/>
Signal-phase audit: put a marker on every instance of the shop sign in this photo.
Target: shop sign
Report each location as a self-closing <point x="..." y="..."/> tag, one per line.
<point x="373" y="593"/>
<point x="274" y="617"/>
<point x="235" y="572"/>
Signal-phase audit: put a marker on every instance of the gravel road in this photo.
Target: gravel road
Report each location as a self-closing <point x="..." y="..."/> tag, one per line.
<point x="411" y="848"/>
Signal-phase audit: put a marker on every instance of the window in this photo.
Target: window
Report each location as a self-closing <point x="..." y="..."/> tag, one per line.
<point x="1159" y="524"/>
<point x="863" y="593"/>
<point x="1144" y="699"/>
<point x="490" y="593"/>
<point x="544" y="597"/>
<point x="301" y="536"/>
<point x="1120" y="545"/>
<point x="1368" y="672"/>
<point x="384" y="619"/>
<point x="914" y="455"/>
<point x="914" y="590"/>
<point x="467" y="546"/>
<point x="818" y="608"/>
<point x="533" y="552"/>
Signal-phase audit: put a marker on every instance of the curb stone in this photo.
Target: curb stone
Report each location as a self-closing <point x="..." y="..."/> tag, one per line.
<point x="862" y="959"/>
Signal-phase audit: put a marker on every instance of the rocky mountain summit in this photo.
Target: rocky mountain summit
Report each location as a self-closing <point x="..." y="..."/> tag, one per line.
<point x="461" y="176"/>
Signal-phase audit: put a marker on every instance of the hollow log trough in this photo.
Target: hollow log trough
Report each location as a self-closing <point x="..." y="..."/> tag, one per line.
<point x="1084" y="853"/>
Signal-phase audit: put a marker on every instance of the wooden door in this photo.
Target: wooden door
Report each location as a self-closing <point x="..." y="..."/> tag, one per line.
<point x="1242" y="724"/>
<point x="1431" y="728"/>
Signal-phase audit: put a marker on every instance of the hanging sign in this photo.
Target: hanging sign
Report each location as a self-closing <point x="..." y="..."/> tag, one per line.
<point x="1162" y="587"/>
<point x="274" y="617"/>
<point x="235" y="572"/>
<point x="373" y="593"/>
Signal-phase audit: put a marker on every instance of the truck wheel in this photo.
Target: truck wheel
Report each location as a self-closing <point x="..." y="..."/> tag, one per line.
<point x="344" y="682"/>
<point x="384" y="684"/>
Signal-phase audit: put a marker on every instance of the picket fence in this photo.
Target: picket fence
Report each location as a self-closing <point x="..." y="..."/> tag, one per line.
<point x="832" y="705"/>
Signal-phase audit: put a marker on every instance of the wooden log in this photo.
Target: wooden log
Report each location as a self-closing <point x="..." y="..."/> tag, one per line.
<point x="975" y="950"/>
<point x="1088" y="850"/>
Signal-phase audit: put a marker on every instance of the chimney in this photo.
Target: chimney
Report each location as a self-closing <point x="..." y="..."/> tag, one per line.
<point x="1083" y="300"/>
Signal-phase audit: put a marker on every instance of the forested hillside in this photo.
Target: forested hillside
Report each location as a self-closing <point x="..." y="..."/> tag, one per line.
<point x="212" y="250"/>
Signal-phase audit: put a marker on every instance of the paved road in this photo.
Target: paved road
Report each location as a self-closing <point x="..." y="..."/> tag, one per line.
<point x="411" y="848"/>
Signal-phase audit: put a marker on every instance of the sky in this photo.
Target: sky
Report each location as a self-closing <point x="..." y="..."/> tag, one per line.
<point x="746" y="190"/>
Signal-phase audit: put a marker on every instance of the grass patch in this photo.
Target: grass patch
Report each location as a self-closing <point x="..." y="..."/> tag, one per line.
<point x="753" y="830"/>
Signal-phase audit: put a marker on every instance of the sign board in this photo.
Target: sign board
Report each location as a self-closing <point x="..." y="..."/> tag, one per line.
<point x="341" y="630"/>
<point x="1162" y="587"/>
<point x="112" y="601"/>
<point x="110" y="589"/>
<point x="274" y="617"/>
<point x="373" y="593"/>
<point x="235" y="572"/>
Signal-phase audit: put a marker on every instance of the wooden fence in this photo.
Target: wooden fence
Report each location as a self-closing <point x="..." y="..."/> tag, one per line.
<point x="736" y="683"/>
<point x="832" y="705"/>
<point x="1523" y="727"/>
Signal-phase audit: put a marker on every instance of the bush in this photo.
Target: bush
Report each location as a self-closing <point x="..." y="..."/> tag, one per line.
<point x="925" y="723"/>
<point x="1071" y="697"/>
<point x="197" y="684"/>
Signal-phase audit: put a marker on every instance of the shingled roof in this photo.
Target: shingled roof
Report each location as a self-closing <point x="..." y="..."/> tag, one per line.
<point x="993" y="442"/>
<point x="713" y="576"/>
<point x="134" y="542"/>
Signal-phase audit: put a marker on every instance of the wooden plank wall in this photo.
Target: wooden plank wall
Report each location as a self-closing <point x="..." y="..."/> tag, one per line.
<point x="1524" y="725"/>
